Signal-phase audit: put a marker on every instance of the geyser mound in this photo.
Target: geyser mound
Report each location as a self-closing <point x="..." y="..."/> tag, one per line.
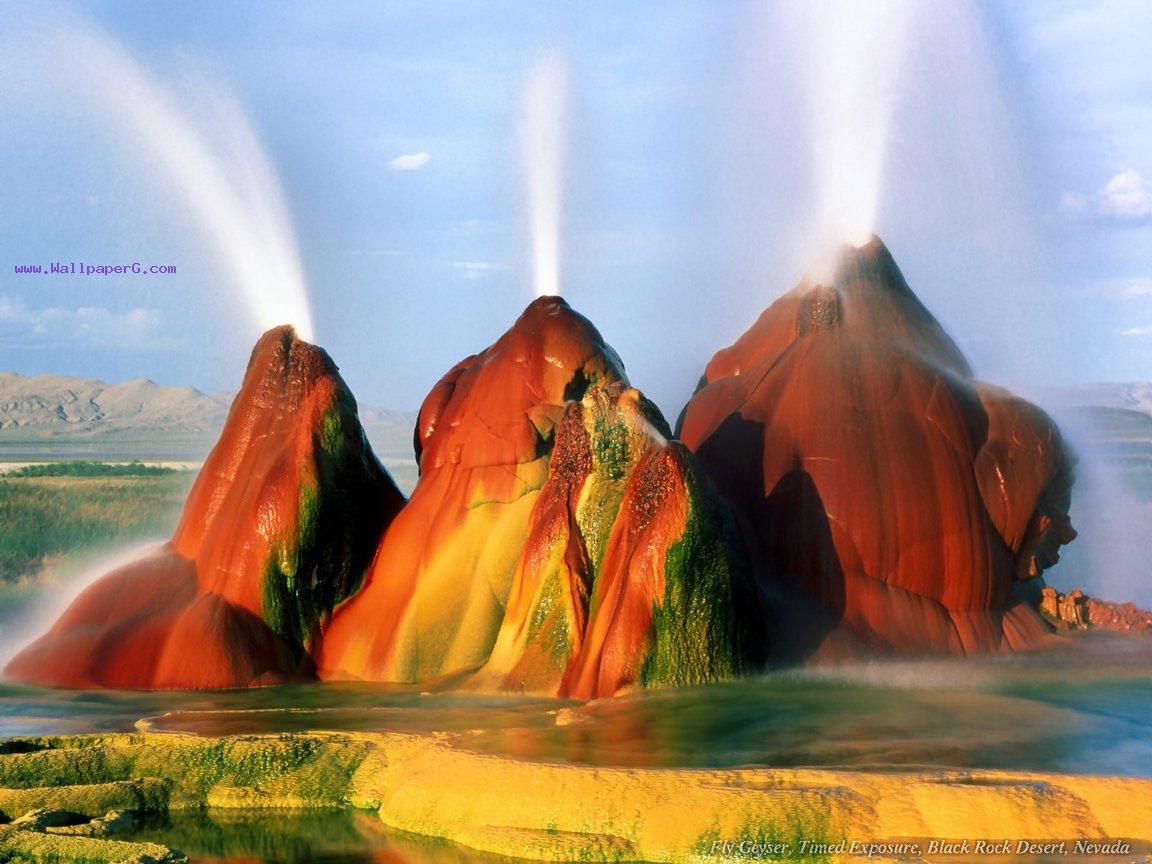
<point x="870" y="497"/>
<point x="278" y="528"/>
<point x="556" y="541"/>
<point x="892" y="503"/>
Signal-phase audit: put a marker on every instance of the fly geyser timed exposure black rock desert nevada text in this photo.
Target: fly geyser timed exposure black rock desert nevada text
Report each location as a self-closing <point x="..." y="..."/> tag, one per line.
<point x="505" y="435"/>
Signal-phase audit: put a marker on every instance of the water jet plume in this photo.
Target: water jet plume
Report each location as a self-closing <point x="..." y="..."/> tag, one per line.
<point x="197" y="134"/>
<point x="542" y="142"/>
<point x="851" y="62"/>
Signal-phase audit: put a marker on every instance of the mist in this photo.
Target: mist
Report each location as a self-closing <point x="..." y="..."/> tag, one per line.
<point x="1110" y="557"/>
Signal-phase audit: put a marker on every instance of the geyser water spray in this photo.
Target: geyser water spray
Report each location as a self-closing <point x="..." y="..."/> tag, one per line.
<point x="851" y="76"/>
<point x="850" y="69"/>
<point x="542" y="142"/>
<point x="218" y="167"/>
<point x="52" y="596"/>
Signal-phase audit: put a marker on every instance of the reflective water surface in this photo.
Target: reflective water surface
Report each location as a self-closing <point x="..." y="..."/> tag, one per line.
<point x="1086" y="708"/>
<point x="307" y="837"/>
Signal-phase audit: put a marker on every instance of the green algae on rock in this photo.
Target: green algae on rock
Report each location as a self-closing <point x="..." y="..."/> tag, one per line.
<point x="278" y="528"/>
<point x="142" y="794"/>
<point x="631" y="568"/>
<point x="82" y="773"/>
<point x="708" y="600"/>
<point x="33" y="847"/>
<point x="436" y="786"/>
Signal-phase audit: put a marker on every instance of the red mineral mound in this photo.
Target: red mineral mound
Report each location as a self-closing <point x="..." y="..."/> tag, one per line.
<point x="434" y="597"/>
<point x="279" y="527"/>
<point x="891" y="502"/>
<point x="555" y="542"/>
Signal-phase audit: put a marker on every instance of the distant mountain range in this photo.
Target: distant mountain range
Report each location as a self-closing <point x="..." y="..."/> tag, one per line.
<point x="81" y="414"/>
<point x="58" y="405"/>
<point x="1131" y="396"/>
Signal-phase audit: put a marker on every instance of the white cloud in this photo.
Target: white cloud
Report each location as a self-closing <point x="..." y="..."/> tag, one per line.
<point x="137" y="328"/>
<point x="1125" y="199"/>
<point x="1139" y="288"/>
<point x="1137" y="331"/>
<point x="409" y="162"/>
<point x="478" y="269"/>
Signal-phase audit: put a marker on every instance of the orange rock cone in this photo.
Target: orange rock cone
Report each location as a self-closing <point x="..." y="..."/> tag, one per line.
<point x="434" y="597"/>
<point x="892" y="503"/>
<point x="546" y="546"/>
<point x="278" y="528"/>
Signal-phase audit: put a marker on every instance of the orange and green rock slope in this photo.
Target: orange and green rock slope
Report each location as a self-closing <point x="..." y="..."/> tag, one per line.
<point x="556" y="541"/>
<point x="278" y="528"/>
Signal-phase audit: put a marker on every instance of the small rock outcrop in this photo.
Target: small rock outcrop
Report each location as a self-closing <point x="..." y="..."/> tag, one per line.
<point x="1077" y="611"/>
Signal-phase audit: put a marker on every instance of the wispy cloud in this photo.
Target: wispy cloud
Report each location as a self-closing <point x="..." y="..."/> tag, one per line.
<point x="409" y="162"/>
<point x="478" y="269"/>
<point x="1137" y="331"/>
<point x="1139" y="288"/>
<point x="1125" y="199"/>
<point x="135" y="329"/>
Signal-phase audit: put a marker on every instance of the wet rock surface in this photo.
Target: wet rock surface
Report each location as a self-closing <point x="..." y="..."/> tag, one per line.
<point x="61" y="836"/>
<point x="631" y="571"/>
<point x="277" y="529"/>
<point x="892" y="503"/>
<point x="438" y="786"/>
<point x="557" y="540"/>
<point x="432" y="602"/>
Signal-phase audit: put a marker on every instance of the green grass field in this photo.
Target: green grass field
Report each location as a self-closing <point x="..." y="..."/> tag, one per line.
<point x="77" y="468"/>
<point x="56" y="515"/>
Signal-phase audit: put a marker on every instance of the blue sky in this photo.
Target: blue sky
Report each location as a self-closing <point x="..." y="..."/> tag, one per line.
<point x="1017" y="194"/>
